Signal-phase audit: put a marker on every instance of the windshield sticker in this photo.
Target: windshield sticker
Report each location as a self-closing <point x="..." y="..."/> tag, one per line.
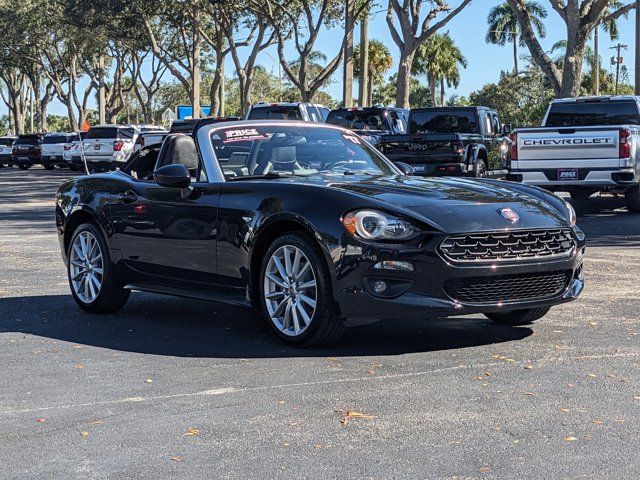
<point x="353" y="139"/>
<point x="244" y="134"/>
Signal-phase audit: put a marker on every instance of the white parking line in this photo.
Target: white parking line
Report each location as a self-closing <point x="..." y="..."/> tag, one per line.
<point x="232" y="390"/>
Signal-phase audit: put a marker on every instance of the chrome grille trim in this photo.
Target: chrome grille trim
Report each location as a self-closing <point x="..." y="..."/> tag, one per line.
<point x="515" y="245"/>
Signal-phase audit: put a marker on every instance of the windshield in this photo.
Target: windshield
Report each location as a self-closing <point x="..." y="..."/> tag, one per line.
<point x="27" y="140"/>
<point x="442" y="122"/>
<point x="359" y="119"/>
<point x="51" y="139"/>
<point x="589" y="114"/>
<point x="297" y="150"/>
<point x="274" y="112"/>
<point x="110" y="132"/>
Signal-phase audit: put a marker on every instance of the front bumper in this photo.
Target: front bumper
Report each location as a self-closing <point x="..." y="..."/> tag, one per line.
<point x="423" y="292"/>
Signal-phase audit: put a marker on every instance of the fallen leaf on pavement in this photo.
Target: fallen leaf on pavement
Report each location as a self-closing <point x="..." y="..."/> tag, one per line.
<point x="637" y="398"/>
<point x="371" y="372"/>
<point x="148" y="380"/>
<point x="598" y="422"/>
<point x="192" y="431"/>
<point x="570" y="439"/>
<point x="353" y="414"/>
<point x="176" y="459"/>
<point x="591" y="375"/>
<point x="529" y="394"/>
<point x="84" y="433"/>
<point x="564" y="410"/>
<point x="40" y="420"/>
<point x="528" y="367"/>
<point x="79" y="365"/>
<point x="485" y="469"/>
<point x="97" y="422"/>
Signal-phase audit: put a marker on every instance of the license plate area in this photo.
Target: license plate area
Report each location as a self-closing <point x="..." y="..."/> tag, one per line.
<point x="567" y="174"/>
<point x="419" y="168"/>
<point x="96" y="147"/>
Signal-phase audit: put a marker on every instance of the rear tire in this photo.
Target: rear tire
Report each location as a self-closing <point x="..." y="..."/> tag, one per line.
<point x="632" y="199"/>
<point x="98" y="290"/>
<point x="518" y="317"/>
<point x="49" y="166"/>
<point x="288" y="316"/>
<point x="23" y="166"/>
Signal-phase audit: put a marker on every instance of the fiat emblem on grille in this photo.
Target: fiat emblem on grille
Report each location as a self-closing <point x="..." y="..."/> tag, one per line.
<point x="510" y="215"/>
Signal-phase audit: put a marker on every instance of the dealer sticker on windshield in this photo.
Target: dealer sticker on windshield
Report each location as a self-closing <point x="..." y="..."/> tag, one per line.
<point x="243" y="134"/>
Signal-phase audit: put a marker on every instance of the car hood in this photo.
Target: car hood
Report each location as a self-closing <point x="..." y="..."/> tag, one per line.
<point x="457" y="205"/>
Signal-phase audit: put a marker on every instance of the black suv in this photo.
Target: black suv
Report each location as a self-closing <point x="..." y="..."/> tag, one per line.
<point x="371" y="123"/>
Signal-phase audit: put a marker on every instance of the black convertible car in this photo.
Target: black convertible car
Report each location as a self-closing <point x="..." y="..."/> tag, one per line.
<point x="316" y="229"/>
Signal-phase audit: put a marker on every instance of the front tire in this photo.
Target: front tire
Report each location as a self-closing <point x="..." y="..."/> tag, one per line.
<point x="296" y="298"/>
<point x="49" y="166"/>
<point x="632" y="199"/>
<point x="518" y="317"/>
<point x="23" y="166"/>
<point x="94" y="285"/>
<point x="480" y="170"/>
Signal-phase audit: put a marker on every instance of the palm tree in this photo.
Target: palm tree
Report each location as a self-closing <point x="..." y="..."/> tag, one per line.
<point x="504" y="27"/>
<point x="440" y="59"/>
<point x="380" y="61"/>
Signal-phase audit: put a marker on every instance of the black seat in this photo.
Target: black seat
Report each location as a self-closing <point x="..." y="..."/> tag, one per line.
<point x="179" y="148"/>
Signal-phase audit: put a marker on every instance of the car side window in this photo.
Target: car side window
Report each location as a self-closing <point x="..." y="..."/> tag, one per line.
<point x="488" y="124"/>
<point x="398" y="124"/>
<point x="495" y="120"/>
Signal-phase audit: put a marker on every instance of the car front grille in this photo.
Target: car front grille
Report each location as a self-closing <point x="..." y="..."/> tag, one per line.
<point x="506" y="246"/>
<point x="508" y="288"/>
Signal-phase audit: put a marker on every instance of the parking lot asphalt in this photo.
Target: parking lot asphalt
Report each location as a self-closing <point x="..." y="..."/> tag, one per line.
<point x="177" y="388"/>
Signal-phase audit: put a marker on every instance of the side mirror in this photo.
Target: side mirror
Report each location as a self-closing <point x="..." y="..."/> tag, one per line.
<point x="506" y="129"/>
<point x="405" y="168"/>
<point x="175" y="175"/>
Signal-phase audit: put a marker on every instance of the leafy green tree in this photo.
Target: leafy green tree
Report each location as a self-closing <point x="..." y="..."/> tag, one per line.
<point x="503" y="26"/>
<point x="380" y="62"/>
<point x="440" y="59"/>
<point x="521" y="99"/>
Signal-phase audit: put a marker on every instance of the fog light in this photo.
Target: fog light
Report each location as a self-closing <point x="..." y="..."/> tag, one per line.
<point x="379" y="286"/>
<point x="394" y="265"/>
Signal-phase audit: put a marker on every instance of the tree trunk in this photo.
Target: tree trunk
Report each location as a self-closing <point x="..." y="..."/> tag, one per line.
<point x="370" y="91"/>
<point x="363" y="85"/>
<point x="432" y="89"/>
<point x="102" y="101"/>
<point x="404" y="79"/>
<point x="442" y="92"/>
<point x="195" y="61"/>
<point x="347" y="91"/>
<point x="515" y="54"/>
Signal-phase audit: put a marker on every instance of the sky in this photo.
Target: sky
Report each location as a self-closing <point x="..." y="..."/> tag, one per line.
<point x="468" y="29"/>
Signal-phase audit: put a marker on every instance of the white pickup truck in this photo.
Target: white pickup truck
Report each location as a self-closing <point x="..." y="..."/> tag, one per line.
<point x="585" y="145"/>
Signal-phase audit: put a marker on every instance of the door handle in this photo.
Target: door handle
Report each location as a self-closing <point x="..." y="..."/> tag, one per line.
<point x="127" y="197"/>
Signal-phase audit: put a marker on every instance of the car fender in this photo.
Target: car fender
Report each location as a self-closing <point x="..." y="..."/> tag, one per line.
<point x="264" y="224"/>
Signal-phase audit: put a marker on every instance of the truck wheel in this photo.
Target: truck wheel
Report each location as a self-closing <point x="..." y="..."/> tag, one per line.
<point x="632" y="198"/>
<point x="518" y="317"/>
<point x="23" y="166"/>
<point x="480" y="170"/>
<point x="48" y="166"/>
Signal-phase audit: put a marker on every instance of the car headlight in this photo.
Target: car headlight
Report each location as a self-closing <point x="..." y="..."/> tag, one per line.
<point x="375" y="225"/>
<point x="572" y="214"/>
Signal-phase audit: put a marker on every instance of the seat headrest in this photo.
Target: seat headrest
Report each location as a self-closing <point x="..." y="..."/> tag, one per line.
<point x="280" y="155"/>
<point x="178" y="148"/>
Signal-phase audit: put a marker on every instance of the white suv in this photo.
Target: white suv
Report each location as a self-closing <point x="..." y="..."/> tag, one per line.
<point x="308" y="112"/>
<point x="52" y="152"/>
<point x="6" y="147"/>
<point x="109" y="146"/>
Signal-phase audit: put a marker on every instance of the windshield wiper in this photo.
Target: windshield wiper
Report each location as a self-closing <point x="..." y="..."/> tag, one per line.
<point x="266" y="176"/>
